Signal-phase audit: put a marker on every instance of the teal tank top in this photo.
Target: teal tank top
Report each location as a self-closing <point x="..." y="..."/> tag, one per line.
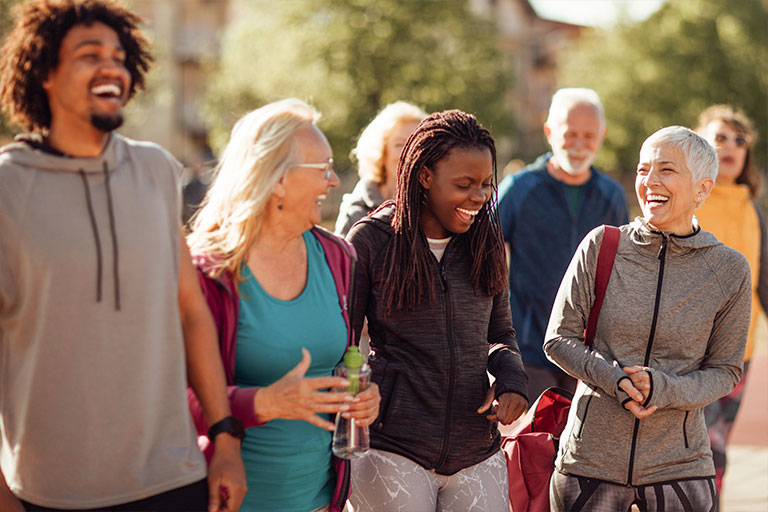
<point x="288" y="462"/>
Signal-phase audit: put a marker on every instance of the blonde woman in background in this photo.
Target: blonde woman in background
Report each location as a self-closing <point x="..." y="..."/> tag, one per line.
<point x="732" y="216"/>
<point x="278" y="287"/>
<point x="377" y="152"/>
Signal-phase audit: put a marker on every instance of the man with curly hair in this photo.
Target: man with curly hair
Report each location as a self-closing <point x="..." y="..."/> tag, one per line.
<point x="102" y="321"/>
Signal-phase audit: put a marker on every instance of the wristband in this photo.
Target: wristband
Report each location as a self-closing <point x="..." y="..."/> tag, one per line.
<point x="230" y="425"/>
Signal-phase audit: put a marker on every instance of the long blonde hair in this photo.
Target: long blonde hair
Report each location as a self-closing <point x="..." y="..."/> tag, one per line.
<point x="259" y="153"/>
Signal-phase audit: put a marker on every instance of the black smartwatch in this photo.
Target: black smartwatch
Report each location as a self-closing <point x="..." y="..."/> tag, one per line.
<point x="230" y="425"/>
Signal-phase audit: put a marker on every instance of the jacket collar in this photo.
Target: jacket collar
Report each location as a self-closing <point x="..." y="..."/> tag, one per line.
<point x="643" y="236"/>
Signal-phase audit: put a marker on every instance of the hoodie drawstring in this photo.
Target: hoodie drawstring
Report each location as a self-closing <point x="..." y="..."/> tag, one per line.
<point x="113" y="232"/>
<point x="97" y="238"/>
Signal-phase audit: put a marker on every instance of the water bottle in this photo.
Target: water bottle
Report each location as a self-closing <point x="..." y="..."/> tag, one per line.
<point x="351" y="440"/>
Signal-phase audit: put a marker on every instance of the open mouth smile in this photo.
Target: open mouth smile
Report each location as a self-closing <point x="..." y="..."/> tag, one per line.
<point x="108" y="91"/>
<point x="467" y="215"/>
<point x="656" y="199"/>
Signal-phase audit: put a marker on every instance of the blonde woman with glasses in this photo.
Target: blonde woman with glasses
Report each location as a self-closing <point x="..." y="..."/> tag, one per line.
<point x="278" y="287"/>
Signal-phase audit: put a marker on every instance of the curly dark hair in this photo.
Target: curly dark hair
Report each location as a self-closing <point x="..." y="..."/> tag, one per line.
<point x="409" y="279"/>
<point x="31" y="51"/>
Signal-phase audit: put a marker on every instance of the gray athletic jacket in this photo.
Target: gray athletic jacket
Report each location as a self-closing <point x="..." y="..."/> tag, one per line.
<point x="679" y="305"/>
<point x="363" y="199"/>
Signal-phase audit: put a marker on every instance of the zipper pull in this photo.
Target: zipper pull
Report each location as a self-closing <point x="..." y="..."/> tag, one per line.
<point x="443" y="277"/>
<point x="662" y="247"/>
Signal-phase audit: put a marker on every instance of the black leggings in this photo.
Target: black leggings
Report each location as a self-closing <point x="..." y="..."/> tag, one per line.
<point x="190" y="498"/>
<point x="571" y="493"/>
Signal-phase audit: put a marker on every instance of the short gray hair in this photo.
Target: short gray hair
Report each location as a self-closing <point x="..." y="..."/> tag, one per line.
<point x="564" y="99"/>
<point x="700" y="156"/>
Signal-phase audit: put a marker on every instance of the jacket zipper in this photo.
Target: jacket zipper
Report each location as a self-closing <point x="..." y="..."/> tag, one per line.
<point x="451" y="367"/>
<point x="685" y="432"/>
<point x="662" y="258"/>
<point x="349" y="303"/>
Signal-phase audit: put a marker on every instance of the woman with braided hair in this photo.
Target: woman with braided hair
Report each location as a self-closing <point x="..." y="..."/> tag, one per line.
<point x="431" y="281"/>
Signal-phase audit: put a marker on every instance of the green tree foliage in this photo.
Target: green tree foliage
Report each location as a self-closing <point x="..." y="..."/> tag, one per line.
<point x="667" y="69"/>
<point x="351" y="57"/>
<point x="6" y="23"/>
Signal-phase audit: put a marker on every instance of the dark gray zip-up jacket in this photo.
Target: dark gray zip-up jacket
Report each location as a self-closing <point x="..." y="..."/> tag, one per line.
<point x="679" y="305"/>
<point x="430" y="364"/>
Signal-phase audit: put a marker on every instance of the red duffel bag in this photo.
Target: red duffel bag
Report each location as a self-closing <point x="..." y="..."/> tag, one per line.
<point x="531" y="447"/>
<point x="530" y="451"/>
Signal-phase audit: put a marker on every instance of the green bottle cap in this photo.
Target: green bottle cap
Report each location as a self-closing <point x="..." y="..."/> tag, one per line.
<point x="353" y="359"/>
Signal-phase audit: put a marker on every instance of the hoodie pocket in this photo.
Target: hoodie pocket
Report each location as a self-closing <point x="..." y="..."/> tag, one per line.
<point x="584" y="417"/>
<point x="388" y="387"/>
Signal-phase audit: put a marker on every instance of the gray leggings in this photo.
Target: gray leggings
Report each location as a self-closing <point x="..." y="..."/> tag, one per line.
<point x="385" y="482"/>
<point x="570" y="493"/>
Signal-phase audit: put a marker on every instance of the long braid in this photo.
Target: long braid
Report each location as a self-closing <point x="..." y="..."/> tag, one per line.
<point x="407" y="262"/>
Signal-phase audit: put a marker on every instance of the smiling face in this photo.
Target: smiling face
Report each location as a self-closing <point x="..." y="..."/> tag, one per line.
<point x="90" y="85"/>
<point x="731" y="147"/>
<point x="457" y="188"/>
<point x="665" y="189"/>
<point x="576" y="139"/>
<point x="304" y="188"/>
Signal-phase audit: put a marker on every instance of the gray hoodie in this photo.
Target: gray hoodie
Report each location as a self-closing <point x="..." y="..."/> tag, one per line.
<point x="93" y="408"/>
<point x="363" y="199"/>
<point x="679" y="305"/>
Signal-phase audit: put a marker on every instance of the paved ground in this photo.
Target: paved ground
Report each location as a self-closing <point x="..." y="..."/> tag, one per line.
<point x="746" y="480"/>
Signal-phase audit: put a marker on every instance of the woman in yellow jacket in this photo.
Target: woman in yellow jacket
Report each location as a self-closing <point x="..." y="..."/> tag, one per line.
<point x="731" y="214"/>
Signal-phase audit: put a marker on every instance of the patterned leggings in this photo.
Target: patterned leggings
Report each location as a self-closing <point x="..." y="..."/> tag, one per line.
<point x="385" y="482"/>
<point x="571" y="493"/>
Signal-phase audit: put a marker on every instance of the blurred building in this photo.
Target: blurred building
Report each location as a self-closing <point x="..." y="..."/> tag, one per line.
<point x="533" y="45"/>
<point x="186" y="36"/>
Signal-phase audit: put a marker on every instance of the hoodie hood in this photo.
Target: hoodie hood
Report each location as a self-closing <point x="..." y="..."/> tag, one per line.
<point x="366" y="193"/>
<point x="25" y="151"/>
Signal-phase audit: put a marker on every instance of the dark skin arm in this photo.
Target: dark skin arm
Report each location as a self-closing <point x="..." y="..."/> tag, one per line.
<point x="8" y="501"/>
<point x="506" y="409"/>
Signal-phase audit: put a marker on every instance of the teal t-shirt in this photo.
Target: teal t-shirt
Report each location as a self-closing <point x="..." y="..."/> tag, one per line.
<point x="288" y="462"/>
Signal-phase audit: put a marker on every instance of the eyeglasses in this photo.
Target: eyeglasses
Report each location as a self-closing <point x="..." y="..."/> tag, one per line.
<point x="739" y="140"/>
<point x="327" y="167"/>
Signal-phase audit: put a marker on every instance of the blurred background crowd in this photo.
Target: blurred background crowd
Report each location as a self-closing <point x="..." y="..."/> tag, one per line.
<point x="653" y="62"/>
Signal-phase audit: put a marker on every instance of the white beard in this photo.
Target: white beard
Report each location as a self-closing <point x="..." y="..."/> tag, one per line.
<point x="563" y="159"/>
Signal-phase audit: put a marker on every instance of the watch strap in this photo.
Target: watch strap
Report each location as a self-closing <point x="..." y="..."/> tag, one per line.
<point x="229" y="425"/>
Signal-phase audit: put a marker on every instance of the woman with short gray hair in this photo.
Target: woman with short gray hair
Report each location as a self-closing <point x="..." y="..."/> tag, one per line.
<point x="670" y="339"/>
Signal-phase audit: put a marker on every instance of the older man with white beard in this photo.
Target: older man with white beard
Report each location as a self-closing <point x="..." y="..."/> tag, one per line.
<point x="545" y="211"/>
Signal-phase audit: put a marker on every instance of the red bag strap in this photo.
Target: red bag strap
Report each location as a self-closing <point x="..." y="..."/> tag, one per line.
<point x="605" y="259"/>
